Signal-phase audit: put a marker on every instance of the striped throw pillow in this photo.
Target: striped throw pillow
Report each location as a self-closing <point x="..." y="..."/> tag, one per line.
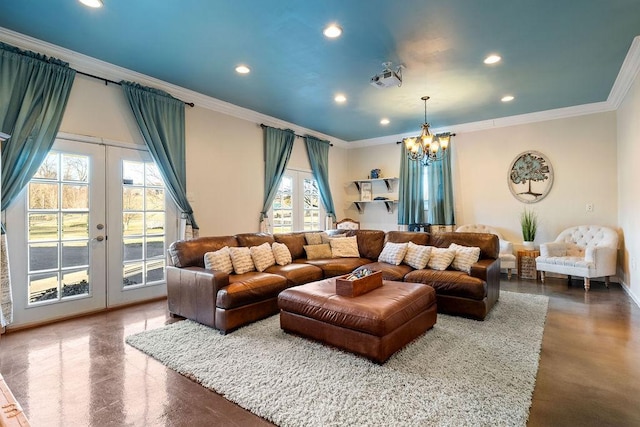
<point x="417" y="256"/>
<point x="440" y="258"/>
<point x="241" y="260"/>
<point x="393" y="253"/>
<point x="219" y="260"/>
<point x="262" y="256"/>
<point x="465" y="257"/>
<point x="281" y="253"/>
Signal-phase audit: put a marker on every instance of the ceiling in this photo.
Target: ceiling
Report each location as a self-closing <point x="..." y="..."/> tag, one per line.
<point x="555" y="53"/>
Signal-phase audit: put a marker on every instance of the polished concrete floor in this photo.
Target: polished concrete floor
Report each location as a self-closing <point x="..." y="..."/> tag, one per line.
<point x="81" y="373"/>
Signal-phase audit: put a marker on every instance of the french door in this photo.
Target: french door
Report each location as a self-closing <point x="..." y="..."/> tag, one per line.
<point x="89" y="232"/>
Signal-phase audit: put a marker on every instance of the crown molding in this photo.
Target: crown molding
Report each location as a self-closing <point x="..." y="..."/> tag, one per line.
<point x="90" y="65"/>
<point x="627" y="75"/>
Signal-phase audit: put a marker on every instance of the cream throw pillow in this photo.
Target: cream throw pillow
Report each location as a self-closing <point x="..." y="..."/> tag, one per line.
<point x="321" y="251"/>
<point x="417" y="256"/>
<point x="262" y="256"/>
<point x="241" y="259"/>
<point x="219" y="260"/>
<point x="345" y="247"/>
<point x="440" y="258"/>
<point x="393" y="253"/>
<point x="314" y="238"/>
<point x="465" y="257"/>
<point x="281" y="253"/>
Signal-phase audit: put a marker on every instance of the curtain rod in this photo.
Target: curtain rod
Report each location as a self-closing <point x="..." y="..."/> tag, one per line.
<point x="107" y="81"/>
<point x="451" y="134"/>
<point x="262" y="125"/>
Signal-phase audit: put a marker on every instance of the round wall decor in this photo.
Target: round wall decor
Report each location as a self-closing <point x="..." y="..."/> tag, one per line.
<point x="530" y="177"/>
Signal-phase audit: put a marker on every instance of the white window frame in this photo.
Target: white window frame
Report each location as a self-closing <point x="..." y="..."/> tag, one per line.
<point x="297" y="191"/>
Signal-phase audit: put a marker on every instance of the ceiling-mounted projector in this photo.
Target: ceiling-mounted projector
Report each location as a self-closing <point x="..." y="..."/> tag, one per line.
<point x="388" y="77"/>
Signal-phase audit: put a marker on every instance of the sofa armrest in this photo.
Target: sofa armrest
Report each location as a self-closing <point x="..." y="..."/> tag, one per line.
<point x="553" y="249"/>
<point x="485" y="268"/>
<point x="192" y="291"/>
<point x="604" y="258"/>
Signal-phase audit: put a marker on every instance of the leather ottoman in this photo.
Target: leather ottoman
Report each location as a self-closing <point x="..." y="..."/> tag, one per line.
<point x="374" y="325"/>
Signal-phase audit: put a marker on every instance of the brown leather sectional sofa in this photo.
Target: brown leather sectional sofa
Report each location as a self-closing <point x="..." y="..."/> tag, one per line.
<point x="228" y="301"/>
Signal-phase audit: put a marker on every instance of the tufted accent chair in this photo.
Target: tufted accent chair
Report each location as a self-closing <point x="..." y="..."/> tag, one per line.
<point x="584" y="250"/>
<point x="348" y="224"/>
<point x="507" y="258"/>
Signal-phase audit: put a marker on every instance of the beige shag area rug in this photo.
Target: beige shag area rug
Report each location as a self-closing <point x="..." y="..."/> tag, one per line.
<point x="460" y="373"/>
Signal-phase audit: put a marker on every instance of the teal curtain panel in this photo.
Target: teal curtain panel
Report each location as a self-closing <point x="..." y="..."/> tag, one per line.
<point x="278" y="145"/>
<point x="34" y="90"/>
<point x="160" y="118"/>
<point x="441" y="192"/>
<point x="318" y="152"/>
<point x="411" y="190"/>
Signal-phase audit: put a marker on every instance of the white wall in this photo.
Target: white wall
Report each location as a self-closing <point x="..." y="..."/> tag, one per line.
<point x="628" y="126"/>
<point x="225" y="168"/>
<point x="582" y="153"/>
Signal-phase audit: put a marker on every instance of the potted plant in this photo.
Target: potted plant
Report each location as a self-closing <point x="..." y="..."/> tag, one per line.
<point x="529" y="224"/>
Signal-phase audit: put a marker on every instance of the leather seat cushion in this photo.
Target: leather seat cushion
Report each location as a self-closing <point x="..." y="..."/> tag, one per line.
<point x="377" y="312"/>
<point x="390" y="271"/>
<point x="450" y="282"/>
<point x="248" y="288"/>
<point x="332" y="267"/>
<point x="297" y="274"/>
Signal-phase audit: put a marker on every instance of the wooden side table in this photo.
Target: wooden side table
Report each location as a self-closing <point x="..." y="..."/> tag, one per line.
<point x="527" y="264"/>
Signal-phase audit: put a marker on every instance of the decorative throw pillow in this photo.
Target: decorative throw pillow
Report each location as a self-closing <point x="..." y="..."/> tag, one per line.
<point x="219" y="260"/>
<point x="417" y="256"/>
<point x="465" y="257"/>
<point x="314" y="238"/>
<point x="262" y="256"/>
<point x="281" y="253"/>
<point x="393" y="253"/>
<point x="327" y="239"/>
<point x="241" y="260"/>
<point x="345" y="247"/>
<point x="441" y="258"/>
<point x="321" y="251"/>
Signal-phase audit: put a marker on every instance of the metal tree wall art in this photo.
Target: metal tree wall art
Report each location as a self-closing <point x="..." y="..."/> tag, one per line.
<point x="530" y="177"/>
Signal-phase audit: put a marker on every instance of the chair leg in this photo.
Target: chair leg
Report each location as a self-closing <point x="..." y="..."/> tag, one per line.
<point x="509" y="273"/>
<point x="606" y="281"/>
<point x="542" y="276"/>
<point x="587" y="284"/>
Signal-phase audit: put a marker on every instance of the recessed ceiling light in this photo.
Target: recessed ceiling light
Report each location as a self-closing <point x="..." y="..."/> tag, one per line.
<point x="492" y="59"/>
<point x="332" y="31"/>
<point x="340" y="98"/>
<point x="92" y="3"/>
<point x="243" y="69"/>
<point x="384" y="122"/>
<point x="507" y="98"/>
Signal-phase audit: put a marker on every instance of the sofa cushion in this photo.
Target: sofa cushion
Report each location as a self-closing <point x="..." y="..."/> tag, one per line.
<point x="249" y="288"/>
<point x="297" y="274"/>
<point x="450" y="282"/>
<point x="219" y="260"/>
<point x="262" y="256"/>
<point x="281" y="253"/>
<point x="392" y="272"/>
<point x="393" y="253"/>
<point x="417" y="256"/>
<point x="336" y="266"/>
<point x="418" y="238"/>
<point x="370" y="242"/>
<point x="441" y="258"/>
<point x="344" y="247"/>
<point x="254" y="239"/>
<point x="465" y="257"/>
<point x="294" y="241"/>
<point x="488" y="243"/>
<point x="190" y="253"/>
<point x="241" y="259"/>
<point x="320" y="251"/>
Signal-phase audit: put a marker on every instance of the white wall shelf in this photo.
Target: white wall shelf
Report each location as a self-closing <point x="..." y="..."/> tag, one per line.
<point x="387" y="181"/>
<point x="388" y="203"/>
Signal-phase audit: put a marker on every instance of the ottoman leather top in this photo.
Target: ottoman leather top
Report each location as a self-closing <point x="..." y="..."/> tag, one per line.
<point x="377" y="312"/>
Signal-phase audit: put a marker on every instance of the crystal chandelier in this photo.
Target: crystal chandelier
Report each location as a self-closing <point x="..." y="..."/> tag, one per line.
<point x="427" y="148"/>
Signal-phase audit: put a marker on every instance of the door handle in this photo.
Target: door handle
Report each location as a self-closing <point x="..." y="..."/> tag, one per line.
<point x="100" y="238"/>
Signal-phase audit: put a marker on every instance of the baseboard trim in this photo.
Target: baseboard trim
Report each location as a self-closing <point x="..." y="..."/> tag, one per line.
<point x="627" y="289"/>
